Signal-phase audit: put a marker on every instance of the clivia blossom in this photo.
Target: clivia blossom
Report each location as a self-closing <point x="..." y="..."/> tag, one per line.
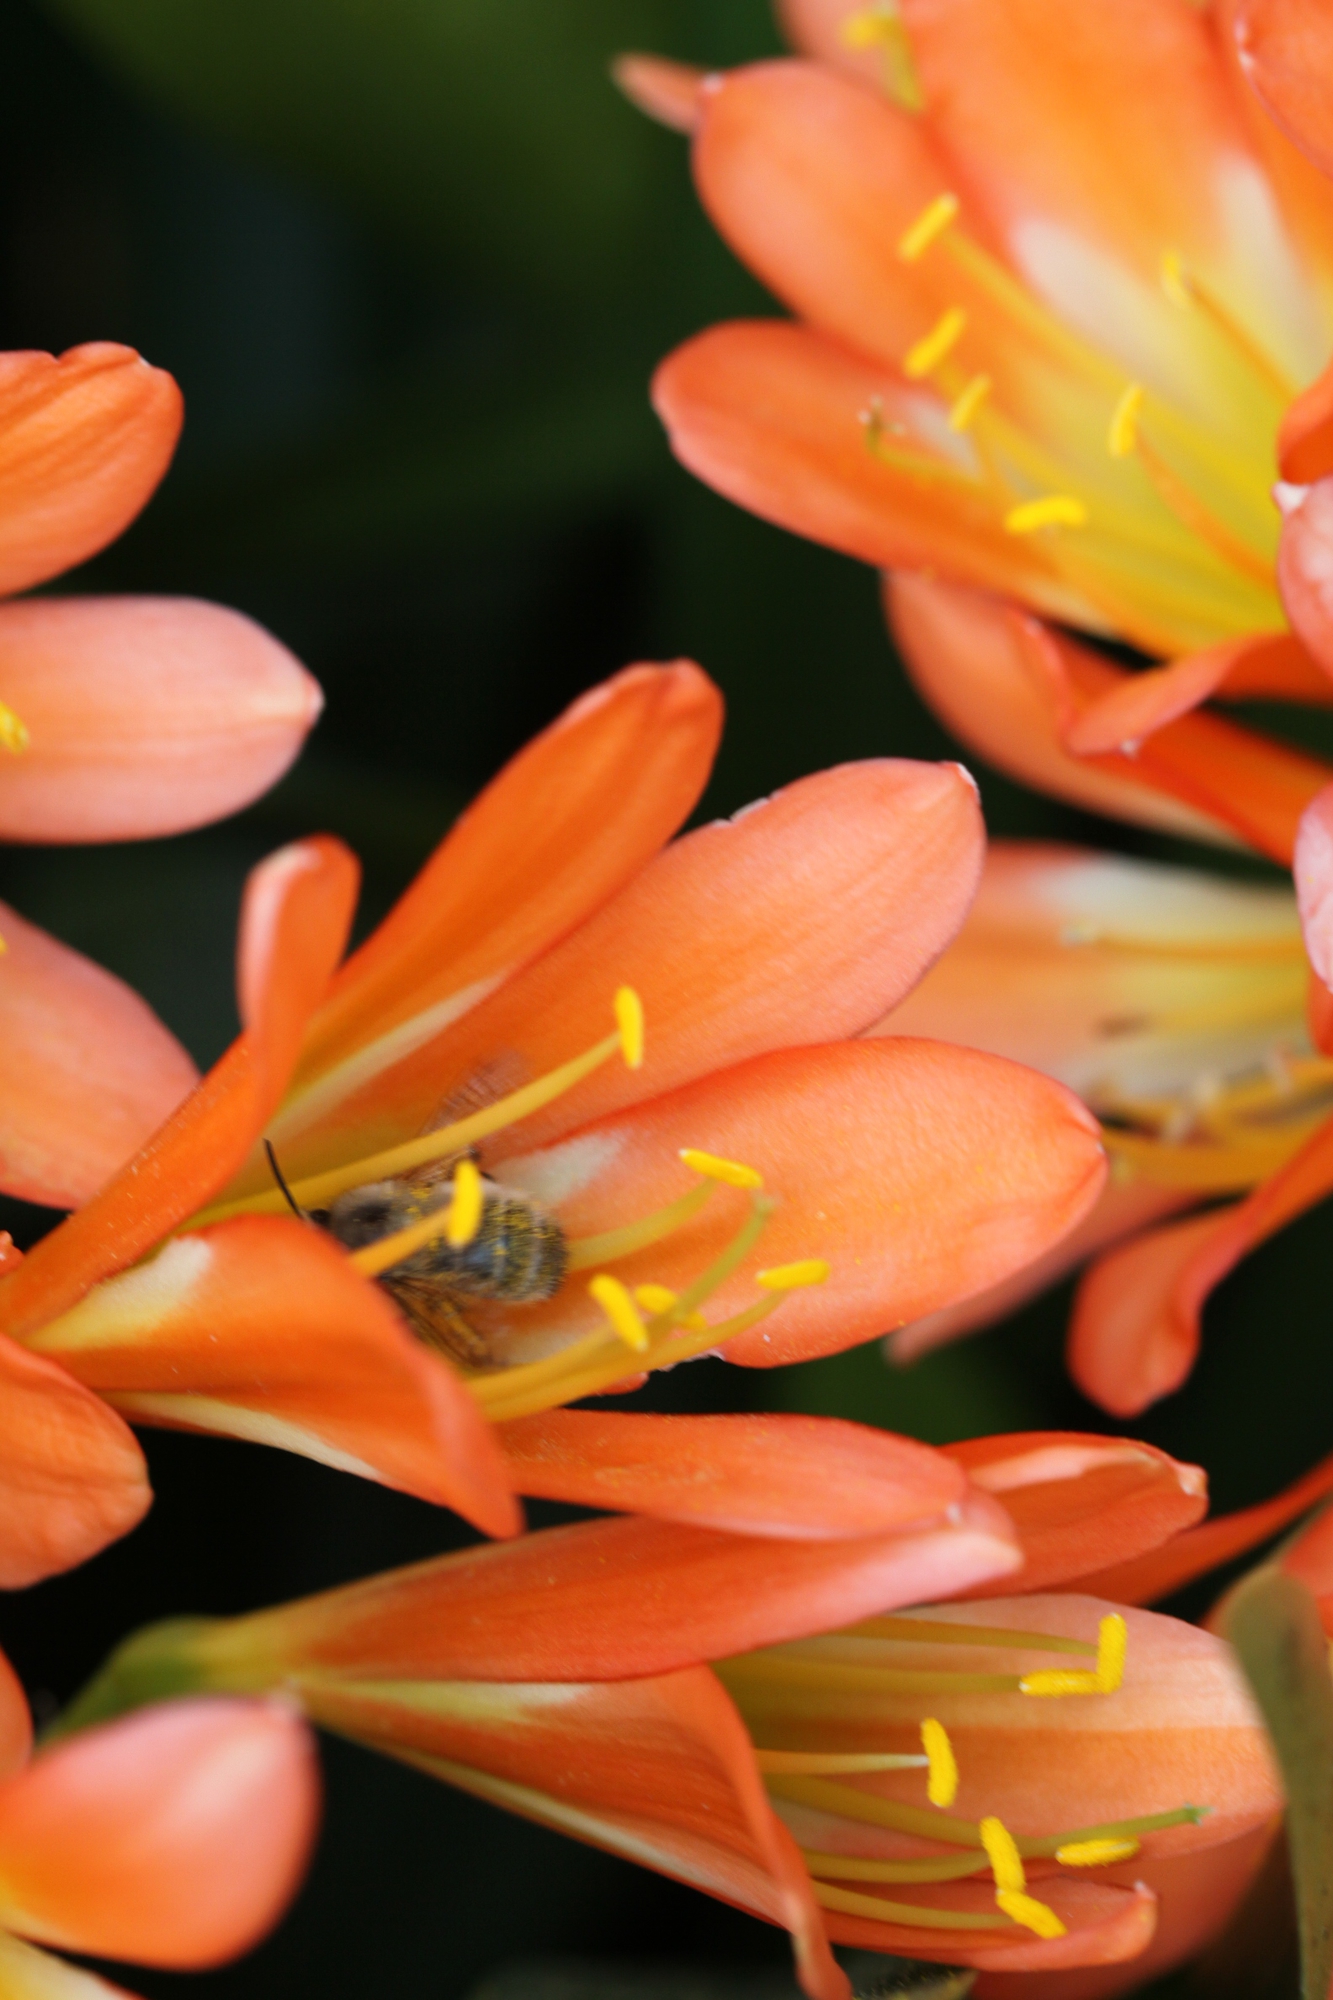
<point x="121" y="718"/>
<point x="174" y="1838"/>
<point x="1030" y="1784"/>
<point x="665" y="1037"/>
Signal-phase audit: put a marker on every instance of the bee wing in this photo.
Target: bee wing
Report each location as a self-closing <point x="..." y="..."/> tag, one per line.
<point x="477" y="1092"/>
<point x="436" y="1319"/>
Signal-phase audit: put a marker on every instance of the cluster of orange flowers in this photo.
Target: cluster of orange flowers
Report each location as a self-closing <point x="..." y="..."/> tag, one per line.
<point x="769" y="1089"/>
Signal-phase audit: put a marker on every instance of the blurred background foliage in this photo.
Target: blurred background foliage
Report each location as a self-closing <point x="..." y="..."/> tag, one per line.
<point x="412" y="262"/>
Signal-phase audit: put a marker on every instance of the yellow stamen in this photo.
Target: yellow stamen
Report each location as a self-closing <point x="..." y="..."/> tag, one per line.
<point x="944" y="1632"/>
<point x="791" y="1277"/>
<point x="920" y="1916"/>
<point x="1095" y="1853"/>
<point x="942" y="1786"/>
<point x="620" y="1309"/>
<point x="1192" y="513"/>
<point x="1053" y="510"/>
<point x="812" y="1764"/>
<point x="612" y="1244"/>
<point x="465" y="1210"/>
<point x="931" y="349"/>
<point x="13" y="730"/>
<point x="1172" y="272"/>
<point x="376" y="1258"/>
<point x="931" y="1868"/>
<point x="1185" y="288"/>
<point x="1026" y="1910"/>
<point x="1122" y="434"/>
<point x="879" y="26"/>
<point x="629" y="1020"/>
<point x="659" y="1299"/>
<point x="914" y="464"/>
<point x="1106" y="1676"/>
<point x="933" y="220"/>
<point x="715" y="1169"/>
<point x="966" y="405"/>
<point x="1006" y="1864"/>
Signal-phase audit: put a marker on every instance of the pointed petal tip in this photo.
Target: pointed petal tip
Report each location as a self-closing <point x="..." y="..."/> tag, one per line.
<point x="669" y="92"/>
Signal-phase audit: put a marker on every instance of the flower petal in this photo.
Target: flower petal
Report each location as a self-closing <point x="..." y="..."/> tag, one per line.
<point x="800" y="1478"/>
<point x="1286" y="50"/>
<point x="29" y="1974"/>
<point x="72" y="1477"/>
<point x="1313" y="870"/>
<point x="1275" y="665"/>
<point x="87" y="1071"/>
<point x="15" y="1722"/>
<point x="664" y="90"/>
<point x="568" y="821"/>
<point x="920" y="1172"/>
<point x="1135" y="1330"/>
<point x="295" y="919"/>
<point x="175" y="1837"/>
<point x="815" y="28"/>
<point x="1080" y="1502"/>
<point x="1305" y="436"/>
<point x="83" y="441"/>
<point x="1305" y="570"/>
<point x="260" y="1328"/>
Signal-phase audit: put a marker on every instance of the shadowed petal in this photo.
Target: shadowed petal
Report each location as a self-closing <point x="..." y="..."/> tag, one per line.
<point x="87" y="1071"/>
<point x="15" y="1722"/>
<point x="83" y="441"/>
<point x="260" y="1328"/>
<point x="1269" y="665"/>
<point x="1286" y="51"/>
<point x="1104" y="1925"/>
<point x="145" y="715"/>
<point x="174" y="1837"/>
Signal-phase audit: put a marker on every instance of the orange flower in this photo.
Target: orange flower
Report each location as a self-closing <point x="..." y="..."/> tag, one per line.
<point x="884" y="1179"/>
<point x="176" y="1838"/>
<point x="1099" y="1760"/>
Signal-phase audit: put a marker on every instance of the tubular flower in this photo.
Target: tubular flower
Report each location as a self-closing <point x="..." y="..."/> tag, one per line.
<point x="175" y="1838"/>
<point x="1010" y="1784"/>
<point x="483" y="1141"/>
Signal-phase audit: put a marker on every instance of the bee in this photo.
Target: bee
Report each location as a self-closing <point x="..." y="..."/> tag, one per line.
<point x="904" y="1979"/>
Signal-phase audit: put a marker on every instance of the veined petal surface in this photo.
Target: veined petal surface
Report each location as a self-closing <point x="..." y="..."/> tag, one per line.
<point x="1286" y="50"/>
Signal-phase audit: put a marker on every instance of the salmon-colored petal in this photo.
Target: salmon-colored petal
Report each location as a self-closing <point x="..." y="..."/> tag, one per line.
<point x="659" y="1769"/>
<point x="1104" y="1925"/>
<point x="29" y="1974"/>
<point x="176" y="1836"/>
<point x="1305" y="437"/>
<point x="1263" y="664"/>
<point x="260" y="1328"/>
<point x="1313" y="871"/>
<point x="1010" y="687"/>
<point x="605" y="1600"/>
<point x="792" y="923"/>
<point x="803" y="1478"/>
<point x="774" y="417"/>
<point x="1305" y="570"/>
<point x="15" y="1722"/>
<point x="72" y="1477"/>
<point x="920" y="1172"/>
<point x="1286" y="50"/>
<point x="144" y="715"/>
<point x="1081" y="1502"/>
<point x="667" y="91"/>
<point x="817" y="28"/>
<point x="87" y="1071"/>
<point x="1135" y="1330"/>
<point x="297" y="912"/>
<point x="85" y="438"/>
<point x="569" y="820"/>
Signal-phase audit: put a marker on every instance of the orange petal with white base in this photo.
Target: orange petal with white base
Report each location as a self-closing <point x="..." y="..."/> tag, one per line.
<point x="84" y="439"/>
<point x="175" y="1837"/>
<point x="144" y="715"/>
<point x="72" y="1477"/>
<point x="799" y="1478"/>
<point x="260" y="1328"/>
<point x="297" y="912"/>
<point x="1286" y="51"/>
<point x="917" y="1171"/>
<point x="87" y="1071"/>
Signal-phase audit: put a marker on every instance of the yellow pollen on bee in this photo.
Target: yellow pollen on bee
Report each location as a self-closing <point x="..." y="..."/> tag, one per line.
<point x="792" y="1277"/>
<point x="933" y="220"/>
<point x="1095" y="1853"/>
<point x="660" y="1299"/>
<point x="942" y="1784"/>
<point x="465" y="1210"/>
<point x="1123" y="431"/>
<point x="932" y="348"/>
<point x="714" y="1168"/>
<point x="1011" y="1883"/>
<point x="968" y="402"/>
<point x="1052" y="510"/>
<point x="614" y="1299"/>
<point x="1105" y="1677"/>
<point x="13" y="730"/>
<point x="629" y="1020"/>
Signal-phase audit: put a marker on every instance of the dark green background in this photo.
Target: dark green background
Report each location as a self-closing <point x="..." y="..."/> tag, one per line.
<point x="412" y="262"/>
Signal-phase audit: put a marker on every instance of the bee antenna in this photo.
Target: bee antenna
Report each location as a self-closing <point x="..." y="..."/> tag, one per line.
<point x="281" y="1179"/>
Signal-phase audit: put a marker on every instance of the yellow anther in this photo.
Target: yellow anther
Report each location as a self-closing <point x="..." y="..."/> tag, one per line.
<point x="932" y="348"/>
<point x="1003" y="1855"/>
<point x="942" y="1784"/>
<point x="1174" y="281"/>
<point x="868" y="27"/>
<point x="1026" y="1910"/>
<point x="1053" y="510"/>
<point x="714" y="1168"/>
<point x="629" y="1020"/>
<point x="466" y="1207"/>
<point x="966" y="405"/>
<point x="13" y="730"/>
<point x="791" y="1277"/>
<point x="1112" y="1645"/>
<point x="933" y="220"/>
<point x="660" y="1299"/>
<point x="1123" y="431"/>
<point x="1060" y="1680"/>
<point x="880" y="26"/>
<point x="1095" y="1853"/>
<point x="620" y="1309"/>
